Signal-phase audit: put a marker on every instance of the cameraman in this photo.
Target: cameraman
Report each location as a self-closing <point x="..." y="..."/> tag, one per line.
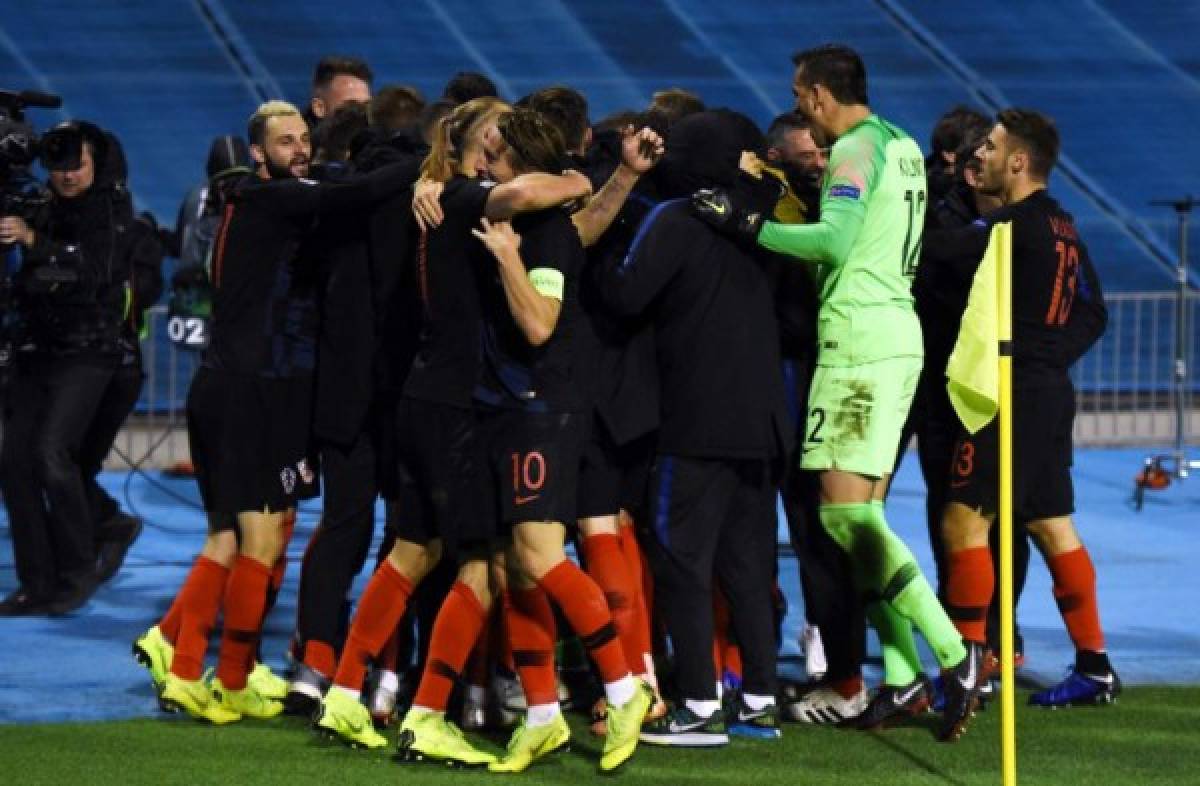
<point x="88" y="267"/>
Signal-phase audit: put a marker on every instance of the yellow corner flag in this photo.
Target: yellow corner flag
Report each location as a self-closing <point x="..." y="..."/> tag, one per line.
<point x="980" y="385"/>
<point x="973" y="377"/>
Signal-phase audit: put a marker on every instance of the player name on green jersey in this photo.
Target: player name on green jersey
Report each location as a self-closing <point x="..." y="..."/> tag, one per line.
<point x="866" y="245"/>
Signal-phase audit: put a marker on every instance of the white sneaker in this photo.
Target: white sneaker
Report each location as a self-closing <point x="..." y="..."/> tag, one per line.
<point x="814" y="653"/>
<point x="826" y="706"/>
<point x="383" y="687"/>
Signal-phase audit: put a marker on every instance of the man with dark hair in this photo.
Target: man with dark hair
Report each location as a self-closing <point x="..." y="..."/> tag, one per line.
<point x="834" y="636"/>
<point x="567" y="110"/>
<point x="675" y="103"/>
<point x="530" y="414"/>
<point x="865" y="249"/>
<point x="396" y="108"/>
<point x="958" y="124"/>
<point x="466" y="85"/>
<point x="336" y="81"/>
<point x="88" y="266"/>
<point x="1058" y="313"/>
<point x="342" y="135"/>
<point x="792" y="148"/>
<point x="940" y="294"/>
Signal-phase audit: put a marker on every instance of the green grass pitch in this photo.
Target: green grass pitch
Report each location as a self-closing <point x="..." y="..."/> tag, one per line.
<point x="1151" y="736"/>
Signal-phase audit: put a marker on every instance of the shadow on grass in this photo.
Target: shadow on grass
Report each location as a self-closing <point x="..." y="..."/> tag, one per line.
<point x="899" y="749"/>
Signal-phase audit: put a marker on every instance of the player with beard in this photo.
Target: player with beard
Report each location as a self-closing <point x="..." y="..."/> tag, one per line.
<point x="249" y="410"/>
<point x="1058" y="313"/>
<point x="865" y="249"/>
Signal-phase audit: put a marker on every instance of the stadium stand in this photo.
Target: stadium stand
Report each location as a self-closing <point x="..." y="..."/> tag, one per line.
<point x="167" y="77"/>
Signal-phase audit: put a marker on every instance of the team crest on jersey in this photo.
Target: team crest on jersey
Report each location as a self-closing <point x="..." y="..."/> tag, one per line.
<point x="288" y="478"/>
<point x="306" y="474"/>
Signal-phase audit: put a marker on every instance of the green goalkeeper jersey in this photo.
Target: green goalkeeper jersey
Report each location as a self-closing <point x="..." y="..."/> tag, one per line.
<point x="865" y="246"/>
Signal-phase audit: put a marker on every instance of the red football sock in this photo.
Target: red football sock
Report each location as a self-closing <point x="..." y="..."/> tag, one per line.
<point x="632" y="551"/>
<point x="583" y="605"/>
<point x="198" y="602"/>
<point x="454" y="634"/>
<point x="727" y="657"/>
<point x="379" y="611"/>
<point x="245" y="602"/>
<point x="1075" y="592"/>
<point x="969" y="589"/>
<point x="608" y="567"/>
<point x="168" y="626"/>
<point x="531" y="634"/>
<point x="319" y="656"/>
<point x="655" y="636"/>
<point x="848" y="687"/>
<point x="477" y="667"/>
<point x="390" y="654"/>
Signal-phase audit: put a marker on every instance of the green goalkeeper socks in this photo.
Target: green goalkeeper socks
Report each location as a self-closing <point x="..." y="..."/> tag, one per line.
<point x="884" y="567"/>
<point x="901" y="663"/>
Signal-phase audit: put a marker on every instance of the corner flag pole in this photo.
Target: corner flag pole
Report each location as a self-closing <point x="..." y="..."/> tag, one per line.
<point x="1008" y="730"/>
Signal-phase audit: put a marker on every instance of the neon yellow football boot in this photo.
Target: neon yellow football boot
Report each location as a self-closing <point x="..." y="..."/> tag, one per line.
<point x="247" y="701"/>
<point x="268" y="684"/>
<point x="154" y="652"/>
<point x="196" y="699"/>
<point x="624" y="725"/>
<point x="428" y="735"/>
<point x="528" y="744"/>
<point x="343" y="717"/>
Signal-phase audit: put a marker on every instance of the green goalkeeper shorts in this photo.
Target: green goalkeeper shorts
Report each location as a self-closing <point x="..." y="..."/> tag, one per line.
<point x="856" y="414"/>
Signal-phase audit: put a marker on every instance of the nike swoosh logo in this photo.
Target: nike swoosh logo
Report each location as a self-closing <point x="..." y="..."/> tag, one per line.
<point x="714" y="207"/>
<point x="968" y="680"/>
<point x="1106" y="680"/>
<point x="356" y="727"/>
<point x="523" y="500"/>
<point x="900" y="699"/>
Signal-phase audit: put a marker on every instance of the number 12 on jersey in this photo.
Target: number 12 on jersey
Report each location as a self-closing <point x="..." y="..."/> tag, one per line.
<point x="912" y="242"/>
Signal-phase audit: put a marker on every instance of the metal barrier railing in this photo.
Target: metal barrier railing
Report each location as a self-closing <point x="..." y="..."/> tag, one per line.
<point x="1126" y="392"/>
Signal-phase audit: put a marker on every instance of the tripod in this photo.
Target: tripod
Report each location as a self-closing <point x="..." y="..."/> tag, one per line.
<point x="1159" y="469"/>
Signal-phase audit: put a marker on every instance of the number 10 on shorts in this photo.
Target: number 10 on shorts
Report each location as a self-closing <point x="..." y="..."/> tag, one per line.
<point x="528" y="475"/>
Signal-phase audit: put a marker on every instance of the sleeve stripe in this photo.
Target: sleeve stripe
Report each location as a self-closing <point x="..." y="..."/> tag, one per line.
<point x="643" y="229"/>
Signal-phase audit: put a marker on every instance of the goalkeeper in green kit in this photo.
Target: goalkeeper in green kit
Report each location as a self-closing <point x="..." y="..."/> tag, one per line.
<point x="865" y="249"/>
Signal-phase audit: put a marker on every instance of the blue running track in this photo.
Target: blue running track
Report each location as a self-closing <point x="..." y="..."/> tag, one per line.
<point x="79" y="667"/>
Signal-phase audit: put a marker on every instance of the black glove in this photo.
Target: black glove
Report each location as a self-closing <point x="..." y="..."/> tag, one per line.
<point x="721" y="209"/>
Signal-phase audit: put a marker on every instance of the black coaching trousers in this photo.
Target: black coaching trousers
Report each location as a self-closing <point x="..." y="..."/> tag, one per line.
<point x="715" y="517"/>
<point x="339" y="546"/>
<point x="51" y="404"/>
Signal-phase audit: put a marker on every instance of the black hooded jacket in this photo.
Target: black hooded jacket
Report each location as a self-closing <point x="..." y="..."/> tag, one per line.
<point x="713" y="311"/>
<point x="94" y="266"/>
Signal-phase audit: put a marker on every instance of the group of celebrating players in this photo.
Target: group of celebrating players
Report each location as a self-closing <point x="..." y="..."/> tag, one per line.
<point x="521" y="329"/>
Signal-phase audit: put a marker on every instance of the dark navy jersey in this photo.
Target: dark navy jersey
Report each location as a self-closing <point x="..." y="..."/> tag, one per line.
<point x="516" y="374"/>
<point x="450" y="269"/>
<point x="264" y="319"/>
<point x="1058" y="305"/>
